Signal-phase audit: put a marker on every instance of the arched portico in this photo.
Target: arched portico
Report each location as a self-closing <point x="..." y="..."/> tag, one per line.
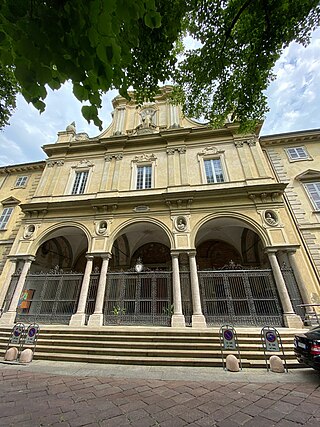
<point x="240" y="278"/>
<point x="46" y="284"/>
<point x="147" y="293"/>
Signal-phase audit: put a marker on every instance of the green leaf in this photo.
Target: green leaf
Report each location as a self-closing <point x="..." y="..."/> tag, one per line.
<point x="40" y="105"/>
<point x="152" y="19"/>
<point x="80" y="92"/>
<point x="89" y="112"/>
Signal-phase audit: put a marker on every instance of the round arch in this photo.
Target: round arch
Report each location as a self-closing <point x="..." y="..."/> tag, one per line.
<point x="234" y="218"/>
<point x="140" y="238"/>
<point x="60" y="245"/>
<point x="224" y="238"/>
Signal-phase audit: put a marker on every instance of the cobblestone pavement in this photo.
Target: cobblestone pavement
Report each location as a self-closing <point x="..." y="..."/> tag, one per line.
<point x="32" y="397"/>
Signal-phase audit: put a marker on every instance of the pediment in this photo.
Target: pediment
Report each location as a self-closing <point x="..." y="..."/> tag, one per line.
<point x="308" y="175"/>
<point x="10" y="201"/>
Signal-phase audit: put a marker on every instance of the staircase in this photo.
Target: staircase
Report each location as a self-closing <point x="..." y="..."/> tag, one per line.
<point x="150" y="346"/>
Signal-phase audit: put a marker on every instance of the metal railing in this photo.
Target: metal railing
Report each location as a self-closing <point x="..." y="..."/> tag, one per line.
<point x="138" y="298"/>
<point x="49" y="297"/>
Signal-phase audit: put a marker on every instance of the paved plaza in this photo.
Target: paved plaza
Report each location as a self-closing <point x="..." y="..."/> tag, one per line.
<point x="80" y="394"/>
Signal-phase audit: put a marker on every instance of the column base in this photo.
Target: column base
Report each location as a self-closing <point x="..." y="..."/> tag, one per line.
<point x="77" y="319"/>
<point x="95" y="320"/>
<point x="293" y="321"/>
<point x="198" y="321"/>
<point x="177" y="321"/>
<point x="8" y="318"/>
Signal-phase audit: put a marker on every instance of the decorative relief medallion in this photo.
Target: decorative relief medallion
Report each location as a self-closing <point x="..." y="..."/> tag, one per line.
<point x="102" y="227"/>
<point x="181" y="223"/>
<point x="29" y="231"/>
<point x="271" y="218"/>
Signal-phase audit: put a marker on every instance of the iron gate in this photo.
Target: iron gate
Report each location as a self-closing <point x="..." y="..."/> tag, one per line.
<point x="138" y="298"/>
<point x="49" y="297"/>
<point x="240" y="297"/>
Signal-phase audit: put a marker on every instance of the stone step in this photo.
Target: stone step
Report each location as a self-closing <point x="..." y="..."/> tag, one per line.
<point x="154" y="361"/>
<point x="146" y="352"/>
<point x="153" y="346"/>
<point x="204" y="346"/>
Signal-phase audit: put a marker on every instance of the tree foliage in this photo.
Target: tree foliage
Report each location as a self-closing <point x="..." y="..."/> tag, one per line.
<point x="105" y="44"/>
<point x="240" y="43"/>
<point x="8" y="91"/>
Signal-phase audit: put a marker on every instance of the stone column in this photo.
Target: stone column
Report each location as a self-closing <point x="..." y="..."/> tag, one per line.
<point x="304" y="294"/>
<point x="12" y="268"/>
<point x="198" y="319"/>
<point x="78" y="319"/>
<point x="258" y="158"/>
<point x="116" y="172"/>
<point x="177" y="319"/>
<point x="291" y="320"/>
<point x="96" y="319"/>
<point x="45" y="186"/>
<point x="183" y="165"/>
<point x="245" y="162"/>
<point x="9" y="317"/>
<point x="171" y="176"/>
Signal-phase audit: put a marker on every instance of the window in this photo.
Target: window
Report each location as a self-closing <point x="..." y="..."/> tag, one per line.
<point x="313" y="189"/>
<point x="213" y="170"/>
<point x="80" y="182"/>
<point x="4" y="218"/>
<point x="144" y="177"/>
<point x="21" y="181"/>
<point x="297" y="153"/>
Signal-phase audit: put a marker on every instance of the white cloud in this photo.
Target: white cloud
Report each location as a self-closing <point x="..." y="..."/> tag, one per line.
<point x="294" y="96"/>
<point x="29" y="130"/>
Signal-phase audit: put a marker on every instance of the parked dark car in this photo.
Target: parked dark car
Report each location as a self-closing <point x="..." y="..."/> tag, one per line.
<point x="307" y="347"/>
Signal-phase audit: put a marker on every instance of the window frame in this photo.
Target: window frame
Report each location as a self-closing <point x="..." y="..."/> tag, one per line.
<point x="146" y="177"/>
<point x="81" y="166"/>
<point x="80" y="186"/>
<point x="315" y="203"/>
<point x="213" y="170"/>
<point x="211" y="152"/>
<point x="5" y="217"/>
<point x="22" y="184"/>
<point x="142" y="161"/>
<point x="299" y="158"/>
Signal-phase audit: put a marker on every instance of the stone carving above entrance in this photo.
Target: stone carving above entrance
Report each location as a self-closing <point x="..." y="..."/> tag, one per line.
<point x="148" y="121"/>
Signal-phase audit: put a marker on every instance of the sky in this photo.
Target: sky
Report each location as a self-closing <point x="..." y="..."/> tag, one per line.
<point x="293" y="100"/>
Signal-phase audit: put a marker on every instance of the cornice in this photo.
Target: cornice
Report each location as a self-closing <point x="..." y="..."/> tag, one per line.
<point x="25" y="167"/>
<point x="291" y="138"/>
<point x="262" y="193"/>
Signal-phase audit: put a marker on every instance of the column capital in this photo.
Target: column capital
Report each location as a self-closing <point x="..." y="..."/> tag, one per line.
<point x="192" y="253"/>
<point x="292" y="249"/>
<point x="107" y="255"/>
<point x="12" y="258"/>
<point x="90" y="257"/>
<point x="29" y="258"/>
<point x="270" y="250"/>
<point x="286" y="248"/>
<point x="175" y="254"/>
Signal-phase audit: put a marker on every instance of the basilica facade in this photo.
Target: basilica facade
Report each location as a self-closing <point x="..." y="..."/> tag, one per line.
<point x="159" y="220"/>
